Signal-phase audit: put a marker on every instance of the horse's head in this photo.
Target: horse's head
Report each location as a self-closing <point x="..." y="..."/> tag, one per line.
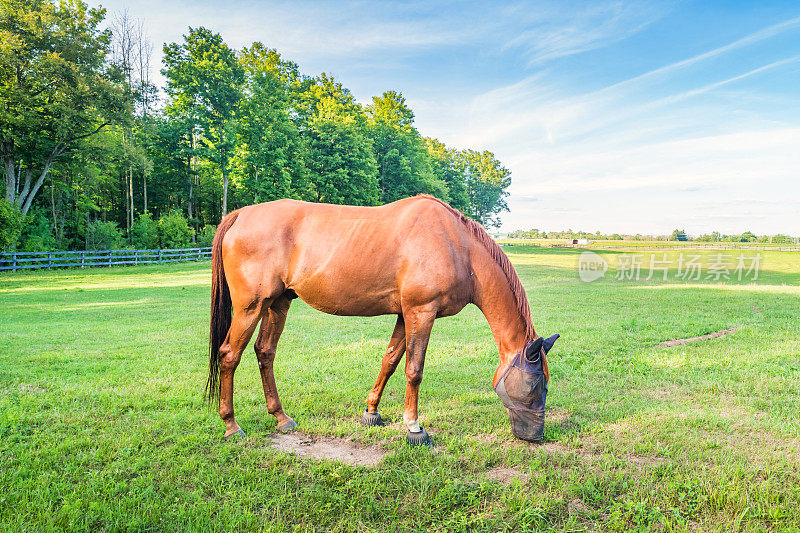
<point x="523" y="389"/>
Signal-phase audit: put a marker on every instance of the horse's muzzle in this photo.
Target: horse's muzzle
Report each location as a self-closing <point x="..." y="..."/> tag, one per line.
<point x="523" y="390"/>
<point x="527" y="424"/>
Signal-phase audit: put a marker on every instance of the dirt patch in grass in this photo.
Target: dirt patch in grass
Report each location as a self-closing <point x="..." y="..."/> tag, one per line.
<point x="577" y="508"/>
<point x="763" y="448"/>
<point x="327" y="448"/>
<point x="587" y="453"/>
<point x="714" y="335"/>
<point x="33" y="389"/>
<point x="506" y="475"/>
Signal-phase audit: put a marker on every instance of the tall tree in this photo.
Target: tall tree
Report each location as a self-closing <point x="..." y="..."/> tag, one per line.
<point x="172" y="151"/>
<point x="272" y="152"/>
<point x="340" y="157"/>
<point x="449" y="166"/>
<point x="131" y="51"/>
<point x="404" y="168"/>
<point x="56" y="88"/>
<point x="204" y="83"/>
<point x="309" y="92"/>
<point x="487" y="183"/>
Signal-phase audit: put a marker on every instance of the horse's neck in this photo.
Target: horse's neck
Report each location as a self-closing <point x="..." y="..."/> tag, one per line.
<point x="495" y="299"/>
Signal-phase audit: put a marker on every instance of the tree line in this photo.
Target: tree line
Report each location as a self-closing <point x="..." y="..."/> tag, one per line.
<point x="676" y="235"/>
<point x="94" y="154"/>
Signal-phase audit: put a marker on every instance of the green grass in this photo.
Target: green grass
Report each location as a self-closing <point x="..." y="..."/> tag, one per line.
<point x="102" y="425"/>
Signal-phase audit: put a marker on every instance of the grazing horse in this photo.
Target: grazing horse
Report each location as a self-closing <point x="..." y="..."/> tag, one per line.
<point x="416" y="258"/>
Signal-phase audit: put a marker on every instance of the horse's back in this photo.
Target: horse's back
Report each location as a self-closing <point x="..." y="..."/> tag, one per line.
<point x="352" y="260"/>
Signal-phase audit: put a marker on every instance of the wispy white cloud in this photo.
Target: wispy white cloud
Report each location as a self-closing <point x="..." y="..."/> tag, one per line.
<point x="716" y="85"/>
<point x="750" y="39"/>
<point x="531" y="111"/>
<point x="571" y="28"/>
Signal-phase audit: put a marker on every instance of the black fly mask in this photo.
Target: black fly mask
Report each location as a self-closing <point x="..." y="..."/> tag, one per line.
<point x="523" y="389"/>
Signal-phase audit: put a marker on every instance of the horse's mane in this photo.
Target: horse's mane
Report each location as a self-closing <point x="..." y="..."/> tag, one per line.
<point x="502" y="261"/>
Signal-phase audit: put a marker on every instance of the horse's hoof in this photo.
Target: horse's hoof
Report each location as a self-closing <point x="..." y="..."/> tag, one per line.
<point x="287" y="426"/>
<point x="420" y="438"/>
<point x="239" y="434"/>
<point x="371" y="419"/>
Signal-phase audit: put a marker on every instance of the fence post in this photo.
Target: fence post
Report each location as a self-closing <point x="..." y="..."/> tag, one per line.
<point x="49" y="259"/>
<point x="83" y="259"/>
<point x="180" y="255"/>
<point x="13" y="262"/>
<point x="159" y="255"/>
<point x="109" y="257"/>
<point x="136" y="257"/>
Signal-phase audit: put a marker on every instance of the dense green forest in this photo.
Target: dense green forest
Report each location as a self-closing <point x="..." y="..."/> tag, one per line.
<point x="94" y="155"/>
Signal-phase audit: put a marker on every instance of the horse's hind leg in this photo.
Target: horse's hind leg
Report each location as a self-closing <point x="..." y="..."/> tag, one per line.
<point x="265" y="346"/>
<point x="242" y="326"/>
<point x="394" y="352"/>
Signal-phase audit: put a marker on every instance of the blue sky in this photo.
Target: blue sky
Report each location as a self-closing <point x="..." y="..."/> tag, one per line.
<point x="614" y="116"/>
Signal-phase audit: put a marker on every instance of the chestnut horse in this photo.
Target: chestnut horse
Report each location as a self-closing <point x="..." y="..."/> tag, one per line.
<point x="416" y="258"/>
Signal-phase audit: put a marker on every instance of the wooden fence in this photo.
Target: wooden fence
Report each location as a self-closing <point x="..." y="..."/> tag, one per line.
<point x="99" y="258"/>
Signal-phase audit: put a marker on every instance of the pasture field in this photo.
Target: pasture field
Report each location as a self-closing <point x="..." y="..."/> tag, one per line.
<point x="103" y="427"/>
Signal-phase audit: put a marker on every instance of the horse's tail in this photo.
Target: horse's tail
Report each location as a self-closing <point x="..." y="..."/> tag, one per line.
<point x="221" y="308"/>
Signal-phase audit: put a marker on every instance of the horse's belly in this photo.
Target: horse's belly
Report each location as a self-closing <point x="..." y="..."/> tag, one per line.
<point x="349" y="303"/>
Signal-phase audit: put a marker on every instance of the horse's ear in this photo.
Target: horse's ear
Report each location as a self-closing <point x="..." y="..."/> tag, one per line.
<point x="532" y="349"/>
<point x="549" y="342"/>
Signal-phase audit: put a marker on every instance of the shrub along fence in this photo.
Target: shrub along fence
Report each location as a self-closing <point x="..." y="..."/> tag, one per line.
<point x="99" y="258"/>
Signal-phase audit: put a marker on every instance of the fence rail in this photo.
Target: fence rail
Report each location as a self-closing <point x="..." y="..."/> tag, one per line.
<point x="101" y="258"/>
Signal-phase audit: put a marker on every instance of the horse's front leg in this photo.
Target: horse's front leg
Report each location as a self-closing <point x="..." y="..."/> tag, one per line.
<point x="418" y="331"/>
<point x="394" y="352"/>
